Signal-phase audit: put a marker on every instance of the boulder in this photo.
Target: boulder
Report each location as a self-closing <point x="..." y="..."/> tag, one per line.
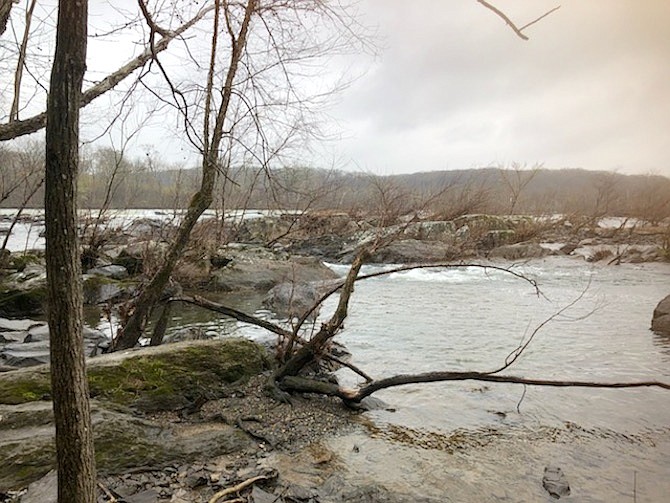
<point x="122" y="441"/>
<point x="22" y="354"/>
<point x="13" y="336"/>
<point x="17" y="325"/>
<point x="496" y="238"/>
<point x="21" y="302"/>
<point x="33" y="348"/>
<point x="256" y="268"/>
<point x="44" y="490"/>
<point x="101" y="289"/>
<point x="409" y="251"/>
<point x="157" y="378"/>
<point x="144" y="380"/>
<point x="555" y="482"/>
<point x="660" y="321"/>
<point x="293" y="300"/>
<point x="328" y="247"/>
<point x="113" y="271"/>
<point x="519" y="251"/>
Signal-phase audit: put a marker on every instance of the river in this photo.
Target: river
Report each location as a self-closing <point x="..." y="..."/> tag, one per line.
<point x="476" y="442"/>
<point x="479" y="442"/>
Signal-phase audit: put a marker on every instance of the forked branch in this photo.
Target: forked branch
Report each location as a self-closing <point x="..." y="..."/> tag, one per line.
<point x="11" y="130"/>
<point x="510" y="23"/>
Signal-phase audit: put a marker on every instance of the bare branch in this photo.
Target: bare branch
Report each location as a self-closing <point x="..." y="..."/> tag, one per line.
<point x="18" y="75"/>
<point x="401" y="380"/>
<point x="539" y="18"/>
<point x="15" y="129"/>
<point x="233" y="313"/>
<point x="510" y="23"/>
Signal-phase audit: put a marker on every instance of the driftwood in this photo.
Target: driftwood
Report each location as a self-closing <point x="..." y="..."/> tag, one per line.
<point x="306" y="385"/>
<point x="239" y="487"/>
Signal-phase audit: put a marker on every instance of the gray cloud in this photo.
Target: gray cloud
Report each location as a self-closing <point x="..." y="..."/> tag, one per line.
<point x="455" y="88"/>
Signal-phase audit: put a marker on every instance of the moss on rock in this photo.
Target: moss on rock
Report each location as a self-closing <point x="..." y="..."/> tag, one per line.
<point x="122" y="441"/>
<point x="152" y="379"/>
<point x="25" y="385"/>
<point x="16" y="302"/>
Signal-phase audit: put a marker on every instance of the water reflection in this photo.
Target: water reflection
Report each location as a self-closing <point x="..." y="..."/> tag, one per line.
<point x="662" y="341"/>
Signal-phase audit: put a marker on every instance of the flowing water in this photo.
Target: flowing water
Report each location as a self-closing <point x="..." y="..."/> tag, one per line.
<point x="475" y="442"/>
<point x="478" y="442"/>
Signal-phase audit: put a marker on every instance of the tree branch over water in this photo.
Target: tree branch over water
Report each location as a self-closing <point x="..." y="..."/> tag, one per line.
<point x="306" y="385"/>
<point x="288" y="377"/>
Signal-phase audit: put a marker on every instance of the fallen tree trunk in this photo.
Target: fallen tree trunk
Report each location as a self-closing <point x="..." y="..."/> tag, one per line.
<point x="307" y="385"/>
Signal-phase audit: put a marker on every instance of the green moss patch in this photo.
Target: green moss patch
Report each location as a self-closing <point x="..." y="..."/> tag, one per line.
<point x="164" y="378"/>
<point x="22" y="386"/>
<point x="22" y="303"/>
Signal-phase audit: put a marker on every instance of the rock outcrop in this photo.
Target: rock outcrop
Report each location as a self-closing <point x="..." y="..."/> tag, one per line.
<point x="165" y="378"/>
<point x="660" y="321"/>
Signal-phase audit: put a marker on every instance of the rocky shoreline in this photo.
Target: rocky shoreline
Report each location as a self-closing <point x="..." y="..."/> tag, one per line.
<point x="230" y="434"/>
<point x="151" y="450"/>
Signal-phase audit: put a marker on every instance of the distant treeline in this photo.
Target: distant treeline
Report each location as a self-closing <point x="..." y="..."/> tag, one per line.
<point x="110" y="180"/>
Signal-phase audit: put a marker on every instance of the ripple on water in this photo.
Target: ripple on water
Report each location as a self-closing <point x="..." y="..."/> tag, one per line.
<point x="467" y="441"/>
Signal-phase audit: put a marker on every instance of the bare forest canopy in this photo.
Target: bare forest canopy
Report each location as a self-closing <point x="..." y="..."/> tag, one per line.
<point x="107" y="179"/>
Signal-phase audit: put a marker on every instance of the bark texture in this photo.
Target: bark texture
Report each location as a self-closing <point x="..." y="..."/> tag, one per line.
<point x="74" y="436"/>
<point x="5" y="10"/>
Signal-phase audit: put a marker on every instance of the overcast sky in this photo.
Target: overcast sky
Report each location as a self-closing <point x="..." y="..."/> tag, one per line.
<point x="453" y="87"/>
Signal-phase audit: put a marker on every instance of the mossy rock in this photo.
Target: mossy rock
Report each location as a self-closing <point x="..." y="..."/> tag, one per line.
<point x="16" y="303"/>
<point x="166" y="377"/>
<point x="121" y="442"/>
<point x="98" y="289"/>
<point x="20" y="261"/>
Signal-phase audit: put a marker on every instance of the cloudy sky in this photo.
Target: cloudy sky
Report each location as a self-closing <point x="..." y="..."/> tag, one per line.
<point x="453" y="87"/>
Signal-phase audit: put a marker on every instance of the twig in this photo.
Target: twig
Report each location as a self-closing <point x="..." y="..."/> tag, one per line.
<point x="510" y="23"/>
<point x="539" y="18"/>
<point x="523" y="395"/>
<point x="350" y="366"/>
<point x="239" y="487"/>
<point x="233" y="313"/>
<point x="108" y="493"/>
<point x="504" y="17"/>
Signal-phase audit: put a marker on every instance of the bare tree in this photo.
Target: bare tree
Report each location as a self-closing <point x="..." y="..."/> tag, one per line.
<point x="254" y="108"/>
<point x="16" y="128"/>
<point x="132" y="330"/>
<point x="74" y="434"/>
<point x="23" y="177"/>
<point x="463" y="197"/>
<point x="516" y="179"/>
<point x="651" y="201"/>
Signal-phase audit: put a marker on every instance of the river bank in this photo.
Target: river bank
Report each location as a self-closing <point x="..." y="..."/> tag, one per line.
<point x="442" y="442"/>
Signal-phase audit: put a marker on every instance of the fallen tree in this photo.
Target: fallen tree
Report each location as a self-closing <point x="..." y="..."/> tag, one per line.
<point x="297" y="354"/>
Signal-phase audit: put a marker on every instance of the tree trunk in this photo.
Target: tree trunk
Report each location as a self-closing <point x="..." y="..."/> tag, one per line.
<point x="5" y="10"/>
<point x="130" y="334"/>
<point x="74" y="436"/>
